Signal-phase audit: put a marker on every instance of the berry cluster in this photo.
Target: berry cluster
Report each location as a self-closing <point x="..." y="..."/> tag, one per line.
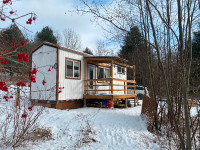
<point x="30" y="20"/>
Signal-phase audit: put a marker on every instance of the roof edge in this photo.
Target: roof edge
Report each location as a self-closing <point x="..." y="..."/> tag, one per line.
<point x="57" y="46"/>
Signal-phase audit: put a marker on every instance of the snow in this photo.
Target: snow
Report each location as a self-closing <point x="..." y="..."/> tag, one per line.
<point x="113" y="129"/>
<point x="108" y="129"/>
<point x="90" y="128"/>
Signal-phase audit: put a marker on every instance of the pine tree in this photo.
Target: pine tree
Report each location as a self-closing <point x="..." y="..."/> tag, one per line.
<point x="195" y="68"/>
<point x="133" y="50"/>
<point x="88" y="51"/>
<point x="46" y="35"/>
<point x="133" y="43"/>
<point x="12" y="47"/>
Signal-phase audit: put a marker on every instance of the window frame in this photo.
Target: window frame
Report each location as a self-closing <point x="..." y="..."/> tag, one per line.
<point x="104" y="68"/>
<point x="73" y="60"/>
<point x="121" y="70"/>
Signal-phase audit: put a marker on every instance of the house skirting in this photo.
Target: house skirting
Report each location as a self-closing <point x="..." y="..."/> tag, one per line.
<point x="59" y="104"/>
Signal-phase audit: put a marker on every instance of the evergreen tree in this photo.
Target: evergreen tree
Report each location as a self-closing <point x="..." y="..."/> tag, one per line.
<point x="195" y="68"/>
<point x="133" y="50"/>
<point x="46" y="35"/>
<point x="133" y="42"/>
<point x="12" y="47"/>
<point x="88" y="51"/>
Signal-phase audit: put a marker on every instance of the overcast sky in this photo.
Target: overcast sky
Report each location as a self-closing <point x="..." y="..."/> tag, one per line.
<point x="55" y="13"/>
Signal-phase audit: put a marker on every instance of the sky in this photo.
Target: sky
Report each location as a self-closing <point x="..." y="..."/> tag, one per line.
<point x="55" y="14"/>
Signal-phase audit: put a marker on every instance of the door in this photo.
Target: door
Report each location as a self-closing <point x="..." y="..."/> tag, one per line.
<point x="91" y="75"/>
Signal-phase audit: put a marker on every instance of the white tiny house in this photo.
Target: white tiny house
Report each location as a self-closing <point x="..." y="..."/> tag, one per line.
<point x="66" y="77"/>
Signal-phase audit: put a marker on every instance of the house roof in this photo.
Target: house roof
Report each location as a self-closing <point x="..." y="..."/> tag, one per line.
<point x="107" y="59"/>
<point x="59" y="47"/>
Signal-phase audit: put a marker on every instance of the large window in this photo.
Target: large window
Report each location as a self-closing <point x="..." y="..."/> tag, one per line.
<point x="73" y="68"/>
<point x="103" y="72"/>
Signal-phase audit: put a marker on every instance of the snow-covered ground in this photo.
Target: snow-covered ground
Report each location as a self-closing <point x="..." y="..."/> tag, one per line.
<point x="92" y="128"/>
<point x="110" y="129"/>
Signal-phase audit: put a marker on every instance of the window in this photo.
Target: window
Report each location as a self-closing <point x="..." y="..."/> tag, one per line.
<point x="73" y="69"/>
<point x="107" y="73"/>
<point x="100" y="73"/>
<point x="120" y="69"/>
<point x="103" y="72"/>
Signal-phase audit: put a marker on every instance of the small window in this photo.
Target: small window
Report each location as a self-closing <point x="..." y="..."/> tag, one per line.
<point x="107" y="73"/>
<point x="100" y="73"/>
<point x="76" y="69"/>
<point x="123" y="70"/>
<point x="120" y="69"/>
<point x="73" y="69"/>
<point x="69" y="68"/>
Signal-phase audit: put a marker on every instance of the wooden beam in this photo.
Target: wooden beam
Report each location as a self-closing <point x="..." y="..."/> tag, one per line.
<point x="85" y="83"/>
<point x="113" y="85"/>
<point x="134" y="79"/>
<point x="128" y="81"/>
<point x="110" y="90"/>
<point x="103" y="79"/>
<point x="114" y="97"/>
<point x="98" y="64"/>
<point x="123" y="64"/>
<point x="126" y="103"/>
<point x="99" y="90"/>
<point x="112" y="78"/>
<point x="99" y="85"/>
<point x="123" y="96"/>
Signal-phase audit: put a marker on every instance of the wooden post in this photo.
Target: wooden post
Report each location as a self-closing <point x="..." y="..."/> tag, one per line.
<point x="112" y="77"/>
<point x="134" y="79"/>
<point x="134" y="86"/>
<point x="126" y="103"/>
<point x="85" y="83"/>
<point x="18" y="96"/>
<point x="112" y="103"/>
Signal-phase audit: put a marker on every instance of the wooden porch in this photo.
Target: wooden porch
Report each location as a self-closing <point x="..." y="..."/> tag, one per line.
<point x="108" y="88"/>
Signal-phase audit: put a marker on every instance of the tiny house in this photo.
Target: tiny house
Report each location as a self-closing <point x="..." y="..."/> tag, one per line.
<point x="66" y="78"/>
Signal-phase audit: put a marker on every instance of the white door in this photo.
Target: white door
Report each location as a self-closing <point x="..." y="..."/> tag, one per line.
<point x="91" y="75"/>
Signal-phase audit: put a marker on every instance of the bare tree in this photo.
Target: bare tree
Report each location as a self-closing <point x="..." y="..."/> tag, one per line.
<point x="167" y="27"/>
<point x="102" y="49"/>
<point x="72" y="39"/>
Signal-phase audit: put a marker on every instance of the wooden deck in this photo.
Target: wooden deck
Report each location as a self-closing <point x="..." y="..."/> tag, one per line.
<point x="108" y="96"/>
<point x="108" y="88"/>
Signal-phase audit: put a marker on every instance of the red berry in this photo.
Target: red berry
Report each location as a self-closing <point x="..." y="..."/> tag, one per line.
<point x="23" y="43"/>
<point x="34" y="71"/>
<point x="30" y="108"/>
<point x="24" y="116"/>
<point x="44" y="82"/>
<point x="11" y="12"/>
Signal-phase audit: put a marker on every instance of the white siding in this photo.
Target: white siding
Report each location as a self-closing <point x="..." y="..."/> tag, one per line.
<point x="118" y="76"/>
<point x="43" y="58"/>
<point x="73" y="88"/>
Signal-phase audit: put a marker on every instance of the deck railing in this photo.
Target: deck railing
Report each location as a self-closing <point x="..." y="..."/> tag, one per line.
<point x="94" y="86"/>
